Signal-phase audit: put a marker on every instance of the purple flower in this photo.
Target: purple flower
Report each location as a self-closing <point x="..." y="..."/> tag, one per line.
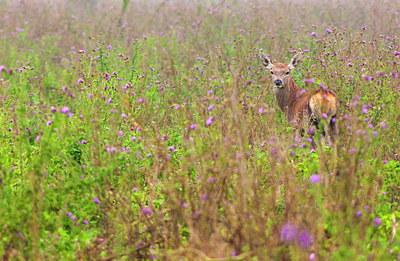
<point x="212" y="106"/>
<point x="312" y="255"/>
<point x="384" y="125"/>
<point x="133" y="138"/>
<point x="85" y="222"/>
<point x="313" y="34"/>
<point x="193" y="126"/>
<point x="261" y="111"/>
<point x="211" y="179"/>
<point x="364" y="110"/>
<point x="64" y="110"/>
<point x="97" y="201"/>
<point x="329" y="31"/>
<point x="146" y="211"/>
<point x="288" y="233"/>
<point x="2" y="67"/>
<point x="210" y="121"/>
<point x="377" y="222"/>
<point x="314" y="178"/>
<point x="80" y="80"/>
<point x="375" y="133"/>
<point x="305" y="240"/>
<point x="359" y="214"/>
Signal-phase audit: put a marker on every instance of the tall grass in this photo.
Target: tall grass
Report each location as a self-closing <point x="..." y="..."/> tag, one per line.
<point x="158" y="136"/>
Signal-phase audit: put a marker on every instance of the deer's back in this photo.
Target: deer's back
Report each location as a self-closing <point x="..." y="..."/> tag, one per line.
<point x="323" y="102"/>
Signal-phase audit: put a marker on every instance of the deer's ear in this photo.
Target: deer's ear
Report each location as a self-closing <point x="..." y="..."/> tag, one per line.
<point x="295" y="61"/>
<point x="266" y="61"/>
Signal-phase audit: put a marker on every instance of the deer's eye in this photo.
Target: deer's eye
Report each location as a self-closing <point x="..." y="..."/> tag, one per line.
<point x="287" y="73"/>
<point x="272" y="72"/>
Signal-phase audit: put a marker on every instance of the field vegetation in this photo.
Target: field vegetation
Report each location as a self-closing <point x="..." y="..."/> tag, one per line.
<point x="150" y="130"/>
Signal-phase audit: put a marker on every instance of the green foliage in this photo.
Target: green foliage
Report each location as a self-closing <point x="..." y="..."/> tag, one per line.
<point x="161" y="138"/>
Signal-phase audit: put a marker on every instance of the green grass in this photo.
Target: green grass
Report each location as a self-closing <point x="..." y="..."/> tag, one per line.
<point x="146" y="140"/>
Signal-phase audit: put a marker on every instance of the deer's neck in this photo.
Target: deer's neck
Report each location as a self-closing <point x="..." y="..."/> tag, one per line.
<point x="287" y="95"/>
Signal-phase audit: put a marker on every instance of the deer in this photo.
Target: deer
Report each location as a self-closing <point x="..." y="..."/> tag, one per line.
<point x="314" y="107"/>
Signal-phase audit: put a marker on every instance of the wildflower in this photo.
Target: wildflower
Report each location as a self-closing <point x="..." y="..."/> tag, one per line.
<point x="210" y="121"/>
<point x="364" y="110"/>
<point x="97" y="201"/>
<point x="64" y="110"/>
<point x="377" y="222"/>
<point x="193" y="126"/>
<point x="384" y="125"/>
<point x="288" y="233"/>
<point x="312" y="255"/>
<point x="211" y="179"/>
<point x="359" y="213"/>
<point x="261" y="111"/>
<point x="313" y="34"/>
<point x="146" y="211"/>
<point x="304" y="239"/>
<point x="314" y="178"/>
<point x="328" y="31"/>
<point x="80" y="80"/>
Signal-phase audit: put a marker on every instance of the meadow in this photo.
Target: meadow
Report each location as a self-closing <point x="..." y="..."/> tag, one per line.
<point x="149" y="130"/>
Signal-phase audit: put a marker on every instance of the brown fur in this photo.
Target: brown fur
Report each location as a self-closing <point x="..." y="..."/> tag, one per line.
<point x="316" y="105"/>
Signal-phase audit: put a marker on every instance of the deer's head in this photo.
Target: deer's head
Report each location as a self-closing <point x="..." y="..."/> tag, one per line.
<point x="280" y="72"/>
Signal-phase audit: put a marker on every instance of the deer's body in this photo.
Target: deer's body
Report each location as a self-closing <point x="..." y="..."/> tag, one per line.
<point x="317" y="105"/>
